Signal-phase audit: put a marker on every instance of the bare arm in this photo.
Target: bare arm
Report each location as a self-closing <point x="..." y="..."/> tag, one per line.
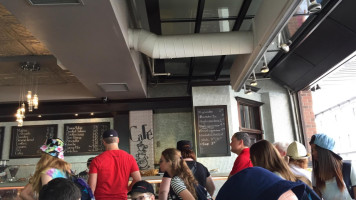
<point x="27" y="193"/>
<point x="92" y="181"/>
<point x="164" y="188"/>
<point x="186" y="195"/>
<point x="210" y="186"/>
<point x="136" y="176"/>
<point x="45" y="179"/>
<point x="354" y="189"/>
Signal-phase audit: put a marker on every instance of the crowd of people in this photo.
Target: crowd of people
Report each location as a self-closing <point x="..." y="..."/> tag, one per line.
<point x="261" y="171"/>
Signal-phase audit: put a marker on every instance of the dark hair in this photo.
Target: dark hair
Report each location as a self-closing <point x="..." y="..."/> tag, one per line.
<point x="110" y="140"/>
<point x="326" y="167"/>
<point x="188" y="153"/>
<point x="244" y="137"/>
<point x="59" y="189"/>
<point x="89" y="161"/>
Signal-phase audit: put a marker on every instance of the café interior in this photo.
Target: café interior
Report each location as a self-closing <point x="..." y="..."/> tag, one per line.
<point x="154" y="65"/>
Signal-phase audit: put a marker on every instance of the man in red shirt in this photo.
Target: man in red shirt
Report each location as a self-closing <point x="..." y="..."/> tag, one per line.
<point x="240" y="142"/>
<point x="110" y="171"/>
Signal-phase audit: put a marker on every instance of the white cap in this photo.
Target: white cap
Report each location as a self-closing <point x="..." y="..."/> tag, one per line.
<point x="297" y="151"/>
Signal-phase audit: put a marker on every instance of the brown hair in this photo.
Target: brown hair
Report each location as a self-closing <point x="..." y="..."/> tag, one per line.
<point x="110" y="140"/>
<point x="302" y="163"/>
<point x="188" y="153"/>
<point x="47" y="161"/>
<point x="326" y="167"/>
<point x="181" y="169"/>
<point x="264" y="154"/>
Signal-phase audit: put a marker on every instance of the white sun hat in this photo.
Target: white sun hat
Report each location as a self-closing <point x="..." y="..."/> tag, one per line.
<point x="297" y="151"/>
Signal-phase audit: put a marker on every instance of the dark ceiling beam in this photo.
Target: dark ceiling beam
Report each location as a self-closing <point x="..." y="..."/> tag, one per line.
<point x="239" y="20"/>
<point x="208" y="19"/>
<point x="199" y="17"/>
<point x="303" y="32"/>
<point x="98" y="107"/>
<point x="154" y="18"/>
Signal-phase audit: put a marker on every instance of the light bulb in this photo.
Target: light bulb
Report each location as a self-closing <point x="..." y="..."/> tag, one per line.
<point x="29" y="96"/>
<point x="35" y="101"/>
<point x="253" y="83"/>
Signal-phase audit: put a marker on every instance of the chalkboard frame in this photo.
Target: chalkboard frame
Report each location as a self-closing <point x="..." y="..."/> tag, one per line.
<point x="12" y="142"/>
<point x="2" y="135"/>
<point x="227" y="151"/>
<point x="83" y="152"/>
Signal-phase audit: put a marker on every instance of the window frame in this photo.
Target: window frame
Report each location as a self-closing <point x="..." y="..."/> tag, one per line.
<point x="257" y="110"/>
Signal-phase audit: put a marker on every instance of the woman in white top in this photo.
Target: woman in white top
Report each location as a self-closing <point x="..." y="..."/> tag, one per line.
<point x="327" y="170"/>
<point x="298" y="159"/>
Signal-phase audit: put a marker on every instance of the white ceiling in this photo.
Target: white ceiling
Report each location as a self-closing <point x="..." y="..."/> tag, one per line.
<point x="87" y="40"/>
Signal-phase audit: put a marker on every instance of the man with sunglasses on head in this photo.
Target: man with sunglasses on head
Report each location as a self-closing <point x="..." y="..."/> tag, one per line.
<point x="142" y="190"/>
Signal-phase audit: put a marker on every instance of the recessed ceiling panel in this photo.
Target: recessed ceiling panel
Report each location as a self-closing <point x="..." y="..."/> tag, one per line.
<point x="171" y="9"/>
<point x="177" y="28"/>
<point x="221" y="8"/>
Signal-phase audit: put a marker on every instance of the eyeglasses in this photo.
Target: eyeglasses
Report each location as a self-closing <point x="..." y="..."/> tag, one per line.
<point x="142" y="197"/>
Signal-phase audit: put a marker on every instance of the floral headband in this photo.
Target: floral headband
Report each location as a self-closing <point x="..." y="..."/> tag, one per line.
<point x="54" y="147"/>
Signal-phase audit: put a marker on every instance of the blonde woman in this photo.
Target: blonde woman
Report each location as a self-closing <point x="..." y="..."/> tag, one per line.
<point x="50" y="166"/>
<point x="183" y="182"/>
<point x="298" y="159"/>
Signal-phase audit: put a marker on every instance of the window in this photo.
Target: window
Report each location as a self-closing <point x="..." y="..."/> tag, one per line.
<point x="250" y="118"/>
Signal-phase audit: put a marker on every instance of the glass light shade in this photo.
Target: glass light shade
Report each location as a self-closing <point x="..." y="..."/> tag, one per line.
<point x="264" y="68"/>
<point x="30" y="106"/>
<point x="35" y="101"/>
<point x="29" y="96"/>
<point x="253" y="83"/>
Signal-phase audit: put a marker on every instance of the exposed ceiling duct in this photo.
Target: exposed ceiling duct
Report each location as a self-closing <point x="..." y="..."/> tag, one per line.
<point x="192" y="45"/>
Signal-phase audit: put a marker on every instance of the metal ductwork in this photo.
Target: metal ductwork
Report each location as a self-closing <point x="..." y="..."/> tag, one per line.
<point x="192" y="45"/>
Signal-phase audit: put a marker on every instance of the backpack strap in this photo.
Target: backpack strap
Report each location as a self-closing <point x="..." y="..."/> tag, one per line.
<point x="346" y="172"/>
<point x="194" y="168"/>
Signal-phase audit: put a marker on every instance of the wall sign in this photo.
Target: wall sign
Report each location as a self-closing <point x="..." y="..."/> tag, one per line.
<point x="212" y="133"/>
<point x="84" y="138"/>
<point x="27" y="140"/>
<point x="141" y="138"/>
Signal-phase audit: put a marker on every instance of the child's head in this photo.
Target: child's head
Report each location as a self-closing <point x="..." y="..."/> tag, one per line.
<point x="142" y="190"/>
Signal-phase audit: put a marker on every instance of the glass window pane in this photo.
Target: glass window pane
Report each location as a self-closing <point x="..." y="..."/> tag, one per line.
<point x="221" y="8"/>
<point x="254" y="6"/>
<point x="295" y="23"/>
<point x="177" y="66"/>
<point x="216" y="26"/>
<point x="247" y="117"/>
<point x="242" y="116"/>
<point x="171" y="9"/>
<point x="253" y="118"/>
<point x="178" y="28"/>
<point x="206" y="66"/>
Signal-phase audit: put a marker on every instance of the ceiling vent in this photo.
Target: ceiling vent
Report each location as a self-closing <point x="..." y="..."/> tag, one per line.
<point x="55" y="2"/>
<point x="114" y="87"/>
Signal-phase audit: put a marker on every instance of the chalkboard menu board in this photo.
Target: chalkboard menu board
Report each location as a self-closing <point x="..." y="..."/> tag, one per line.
<point x="27" y="140"/>
<point x="2" y="129"/>
<point x="212" y="131"/>
<point x="85" y="138"/>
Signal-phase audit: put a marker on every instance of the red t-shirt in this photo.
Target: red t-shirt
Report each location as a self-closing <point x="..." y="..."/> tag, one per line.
<point x="113" y="168"/>
<point x="242" y="161"/>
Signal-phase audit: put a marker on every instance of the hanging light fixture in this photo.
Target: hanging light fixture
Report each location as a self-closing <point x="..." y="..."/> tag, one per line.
<point x="282" y="45"/>
<point x="248" y="90"/>
<point x="264" y="68"/>
<point x="313" y="6"/>
<point x="32" y="100"/>
<point x="254" y="80"/>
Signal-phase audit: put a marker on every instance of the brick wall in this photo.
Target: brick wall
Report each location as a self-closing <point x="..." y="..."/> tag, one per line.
<point x="307" y="114"/>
